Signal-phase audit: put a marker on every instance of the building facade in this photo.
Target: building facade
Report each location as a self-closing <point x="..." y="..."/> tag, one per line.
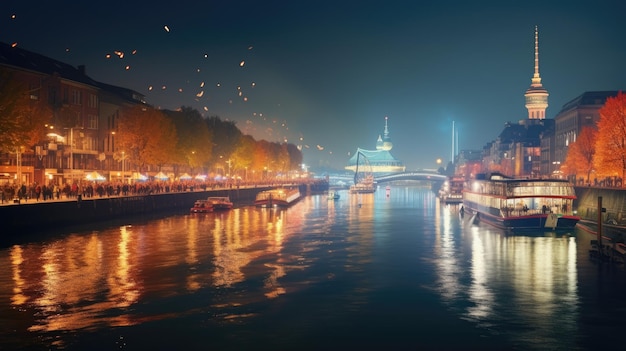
<point x="79" y="133"/>
<point x="582" y="111"/>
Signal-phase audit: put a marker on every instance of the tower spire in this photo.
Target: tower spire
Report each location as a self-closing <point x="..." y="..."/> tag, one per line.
<point x="386" y="129"/>
<point x="387" y="144"/>
<point x="536" y="81"/>
<point x="536" y="96"/>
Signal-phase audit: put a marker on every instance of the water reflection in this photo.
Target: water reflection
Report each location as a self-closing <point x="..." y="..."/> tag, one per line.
<point x="91" y="280"/>
<point x="536" y="273"/>
<point x="321" y="264"/>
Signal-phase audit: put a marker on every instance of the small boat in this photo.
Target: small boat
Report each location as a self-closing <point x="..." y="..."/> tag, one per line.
<point x="362" y="188"/>
<point x="451" y="191"/>
<point x="365" y="186"/>
<point x="281" y="197"/>
<point x="220" y="203"/>
<point x="201" y="206"/>
<point x="521" y="204"/>
<point x="333" y="195"/>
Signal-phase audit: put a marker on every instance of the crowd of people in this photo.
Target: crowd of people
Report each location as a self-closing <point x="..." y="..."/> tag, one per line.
<point x="88" y="189"/>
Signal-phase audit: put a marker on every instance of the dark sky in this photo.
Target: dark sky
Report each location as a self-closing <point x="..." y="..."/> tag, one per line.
<point x="324" y="74"/>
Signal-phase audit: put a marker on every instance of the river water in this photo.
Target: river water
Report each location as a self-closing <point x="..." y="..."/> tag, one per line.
<point x="391" y="271"/>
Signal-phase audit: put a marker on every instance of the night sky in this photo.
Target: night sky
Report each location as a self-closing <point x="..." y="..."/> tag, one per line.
<point x="324" y="74"/>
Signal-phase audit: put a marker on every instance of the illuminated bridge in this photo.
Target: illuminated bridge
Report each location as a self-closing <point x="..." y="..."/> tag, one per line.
<point x="419" y="175"/>
<point x="411" y="175"/>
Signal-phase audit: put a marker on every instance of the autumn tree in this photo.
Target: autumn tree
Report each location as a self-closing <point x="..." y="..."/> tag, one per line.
<point x="195" y="141"/>
<point x="295" y="156"/>
<point x="22" y="119"/>
<point x="581" y="153"/>
<point x="225" y="137"/>
<point x="242" y="156"/>
<point x="611" y="138"/>
<point x="146" y="137"/>
<point x="261" y="158"/>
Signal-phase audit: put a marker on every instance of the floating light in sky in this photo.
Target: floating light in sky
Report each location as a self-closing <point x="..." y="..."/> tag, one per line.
<point x="253" y="84"/>
<point x="167" y="29"/>
<point x="206" y="55"/>
<point x="134" y="52"/>
<point x="245" y="99"/>
<point x="180" y="90"/>
<point x="202" y="85"/>
<point x="13" y="16"/>
<point x="127" y="67"/>
<point x="200" y="94"/>
<point x="14" y="44"/>
<point x="119" y="54"/>
<point x="250" y="47"/>
<point x="67" y="49"/>
<point x="242" y="63"/>
<point x="219" y="85"/>
<point x="163" y="87"/>
<point x="206" y="108"/>
<point x="319" y="147"/>
<point x="107" y="56"/>
<point x="150" y="88"/>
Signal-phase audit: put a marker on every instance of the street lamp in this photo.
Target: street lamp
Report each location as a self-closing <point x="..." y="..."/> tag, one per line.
<point x="123" y="167"/>
<point x="70" y="161"/>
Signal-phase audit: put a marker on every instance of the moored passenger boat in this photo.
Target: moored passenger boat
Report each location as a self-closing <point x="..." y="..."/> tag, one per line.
<point x="451" y="191"/>
<point x="521" y="204"/>
<point x="281" y="197"/>
<point x="365" y="186"/>
<point x="201" y="206"/>
<point x="220" y="203"/>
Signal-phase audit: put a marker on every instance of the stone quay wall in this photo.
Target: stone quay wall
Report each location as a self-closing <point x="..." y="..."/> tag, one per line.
<point x="43" y="216"/>
<point x="613" y="200"/>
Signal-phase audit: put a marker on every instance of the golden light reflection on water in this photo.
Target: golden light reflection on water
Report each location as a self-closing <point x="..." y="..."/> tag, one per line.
<point x="17" y="258"/>
<point x="64" y="281"/>
<point x="540" y="270"/>
<point x="446" y="253"/>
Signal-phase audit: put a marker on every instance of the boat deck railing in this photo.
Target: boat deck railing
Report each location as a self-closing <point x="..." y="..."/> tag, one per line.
<point x="508" y="212"/>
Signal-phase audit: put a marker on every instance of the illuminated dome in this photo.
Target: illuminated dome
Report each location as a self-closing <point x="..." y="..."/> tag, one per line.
<point x="380" y="160"/>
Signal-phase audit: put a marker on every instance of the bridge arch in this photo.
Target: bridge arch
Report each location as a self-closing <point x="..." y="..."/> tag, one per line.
<point x="423" y="176"/>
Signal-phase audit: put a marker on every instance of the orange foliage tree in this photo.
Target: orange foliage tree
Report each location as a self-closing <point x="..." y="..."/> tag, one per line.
<point x="22" y="119"/>
<point x="146" y="137"/>
<point x="610" y="158"/>
<point x="581" y="153"/>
